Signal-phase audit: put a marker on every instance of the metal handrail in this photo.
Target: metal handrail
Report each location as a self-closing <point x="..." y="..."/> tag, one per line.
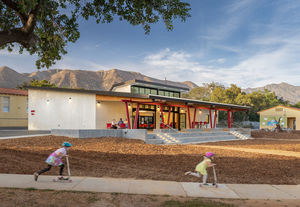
<point x="170" y="127"/>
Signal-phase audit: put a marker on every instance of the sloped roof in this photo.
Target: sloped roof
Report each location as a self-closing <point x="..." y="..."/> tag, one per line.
<point x="167" y="84"/>
<point x="13" y="91"/>
<point x="280" y="106"/>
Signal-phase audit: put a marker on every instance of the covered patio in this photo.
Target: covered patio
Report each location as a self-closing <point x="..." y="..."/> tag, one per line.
<point x="167" y="105"/>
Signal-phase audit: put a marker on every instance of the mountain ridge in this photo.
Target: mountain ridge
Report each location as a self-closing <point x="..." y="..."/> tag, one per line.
<point x="283" y="90"/>
<point x="94" y="80"/>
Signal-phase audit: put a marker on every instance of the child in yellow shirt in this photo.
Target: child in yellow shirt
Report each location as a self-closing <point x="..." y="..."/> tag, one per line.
<point x="201" y="167"/>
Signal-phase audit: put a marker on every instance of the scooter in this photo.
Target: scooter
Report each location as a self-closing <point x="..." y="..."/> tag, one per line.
<point x="67" y="179"/>
<point x="214" y="184"/>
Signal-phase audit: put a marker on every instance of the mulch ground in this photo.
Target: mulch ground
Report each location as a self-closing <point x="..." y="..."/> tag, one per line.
<point x="268" y="144"/>
<point x="124" y="158"/>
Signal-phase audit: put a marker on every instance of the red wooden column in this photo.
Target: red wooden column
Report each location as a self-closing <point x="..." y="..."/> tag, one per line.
<point x="228" y="118"/>
<point x="194" y="117"/>
<point x="210" y="119"/>
<point x="169" y="116"/>
<point x="127" y="113"/>
<point x="162" y="115"/>
<point x="189" y="116"/>
<point x="215" y="118"/>
<point x="231" y="122"/>
<point x="136" y="116"/>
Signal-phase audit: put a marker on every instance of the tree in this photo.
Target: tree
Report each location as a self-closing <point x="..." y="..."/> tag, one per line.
<point x="203" y="92"/>
<point x="44" y="27"/>
<point x="42" y="83"/>
<point x="297" y="105"/>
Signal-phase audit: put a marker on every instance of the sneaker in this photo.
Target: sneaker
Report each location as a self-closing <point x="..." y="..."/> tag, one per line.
<point x="188" y="173"/>
<point x="35" y="175"/>
<point x="62" y="178"/>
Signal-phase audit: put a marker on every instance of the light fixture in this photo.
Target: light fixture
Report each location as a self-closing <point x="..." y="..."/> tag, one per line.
<point x="48" y="100"/>
<point x="70" y="99"/>
<point x="98" y="102"/>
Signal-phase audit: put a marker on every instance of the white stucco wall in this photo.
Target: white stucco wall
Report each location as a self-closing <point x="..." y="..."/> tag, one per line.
<point x="54" y="110"/>
<point x="122" y="89"/>
<point x="109" y="110"/>
<point x="201" y="115"/>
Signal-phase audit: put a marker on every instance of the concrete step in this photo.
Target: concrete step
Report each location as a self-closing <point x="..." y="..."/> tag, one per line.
<point x="207" y="139"/>
<point x="203" y="137"/>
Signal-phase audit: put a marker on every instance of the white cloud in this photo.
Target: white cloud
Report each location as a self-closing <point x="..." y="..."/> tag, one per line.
<point x="257" y="70"/>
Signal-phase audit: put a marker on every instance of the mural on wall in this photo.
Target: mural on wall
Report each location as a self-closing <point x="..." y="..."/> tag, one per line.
<point x="272" y="121"/>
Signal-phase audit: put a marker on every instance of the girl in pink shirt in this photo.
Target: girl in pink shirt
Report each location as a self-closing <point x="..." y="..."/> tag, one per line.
<point x="55" y="159"/>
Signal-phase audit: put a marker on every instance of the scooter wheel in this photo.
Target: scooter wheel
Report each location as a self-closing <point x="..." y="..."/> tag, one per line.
<point x="200" y="185"/>
<point x="217" y="186"/>
<point x="70" y="181"/>
<point x="54" y="180"/>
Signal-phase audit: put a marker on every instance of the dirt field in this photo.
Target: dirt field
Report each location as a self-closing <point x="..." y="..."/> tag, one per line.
<point x="262" y="143"/>
<point x="116" y="157"/>
<point x="49" y="198"/>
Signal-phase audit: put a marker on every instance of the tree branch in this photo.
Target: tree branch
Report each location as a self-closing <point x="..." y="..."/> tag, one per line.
<point x="17" y="35"/>
<point x="14" y="6"/>
<point x="31" y="21"/>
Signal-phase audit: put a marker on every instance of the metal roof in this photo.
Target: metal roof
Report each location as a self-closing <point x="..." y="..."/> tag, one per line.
<point x="97" y="92"/>
<point x="150" y="83"/>
<point x="13" y="91"/>
<point x="194" y="101"/>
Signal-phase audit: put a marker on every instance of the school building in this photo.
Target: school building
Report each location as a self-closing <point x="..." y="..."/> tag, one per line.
<point x="288" y="117"/>
<point x="13" y="108"/>
<point x="140" y="104"/>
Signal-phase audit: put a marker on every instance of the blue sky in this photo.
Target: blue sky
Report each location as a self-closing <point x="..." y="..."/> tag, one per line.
<point x="250" y="43"/>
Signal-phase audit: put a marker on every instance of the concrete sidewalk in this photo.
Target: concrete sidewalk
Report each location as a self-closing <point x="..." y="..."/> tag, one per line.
<point x="132" y="186"/>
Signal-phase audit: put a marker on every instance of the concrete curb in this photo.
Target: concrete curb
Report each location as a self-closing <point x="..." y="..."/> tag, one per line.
<point x="24" y="136"/>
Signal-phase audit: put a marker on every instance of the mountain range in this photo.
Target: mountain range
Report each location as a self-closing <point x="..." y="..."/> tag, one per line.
<point x="284" y="90"/>
<point x="94" y="80"/>
<point x="103" y="80"/>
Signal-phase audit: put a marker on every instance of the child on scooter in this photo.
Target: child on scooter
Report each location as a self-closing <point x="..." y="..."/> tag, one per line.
<point x="201" y="167"/>
<point x="55" y="159"/>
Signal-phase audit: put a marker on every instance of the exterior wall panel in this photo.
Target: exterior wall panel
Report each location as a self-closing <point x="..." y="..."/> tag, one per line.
<point x="109" y="110"/>
<point x="61" y="110"/>
<point x="275" y="113"/>
<point x="17" y="115"/>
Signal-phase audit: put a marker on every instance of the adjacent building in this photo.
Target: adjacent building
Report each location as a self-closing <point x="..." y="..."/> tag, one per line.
<point x="288" y="117"/>
<point x="13" y="107"/>
<point x="140" y="104"/>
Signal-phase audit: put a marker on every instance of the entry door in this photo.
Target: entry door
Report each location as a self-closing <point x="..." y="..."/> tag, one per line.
<point x="182" y="121"/>
<point x="291" y="123"/>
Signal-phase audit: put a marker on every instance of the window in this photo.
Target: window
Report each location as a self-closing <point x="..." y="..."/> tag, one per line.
<point x="153" y="91"/>
<point x="142" y="91"/>
<point x="176" y="95"/>
<point x="147" y="90"/>
<point x="5" y="104"/>
<point x="171" y="94"/>
<point x="161" y="93"/>
<point x="134" y="89"/>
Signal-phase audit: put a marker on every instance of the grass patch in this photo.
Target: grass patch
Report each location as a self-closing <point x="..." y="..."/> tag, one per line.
<point x="30" y="189"/>
<point x="195" y="203"/>
<point x="92" y="199"/>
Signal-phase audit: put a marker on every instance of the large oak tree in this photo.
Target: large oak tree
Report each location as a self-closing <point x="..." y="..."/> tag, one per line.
<point x="44" y="27"/>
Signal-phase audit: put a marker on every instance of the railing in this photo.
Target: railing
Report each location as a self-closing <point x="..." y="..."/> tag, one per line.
<point x="168" y="126"/>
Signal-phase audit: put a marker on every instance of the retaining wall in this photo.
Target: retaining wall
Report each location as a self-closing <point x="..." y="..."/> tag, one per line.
<point x="98" y="133"/>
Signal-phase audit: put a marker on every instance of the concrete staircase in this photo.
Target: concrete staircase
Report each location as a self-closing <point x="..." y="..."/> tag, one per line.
<point x="193" y="137"/>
